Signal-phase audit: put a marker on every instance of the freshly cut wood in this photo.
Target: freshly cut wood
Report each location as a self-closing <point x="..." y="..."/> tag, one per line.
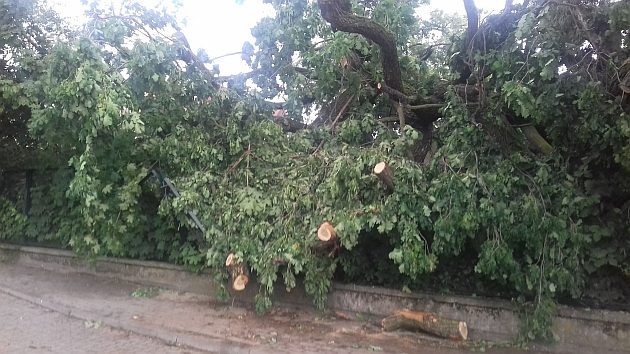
<point x="230" y="260"/>
<point x="238" y="272"/>
<point x="240" y="282"/>
<point x="240" y="276"/>
<point x="326" y="232"/>
<point x="427" y="322"/>
<point x="329" y="242"/>
<point x="384" y="174"/>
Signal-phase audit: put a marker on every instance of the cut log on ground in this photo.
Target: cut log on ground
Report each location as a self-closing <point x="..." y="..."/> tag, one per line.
<point x="326" y="232"/>
<point x="384" y="174"/>
<point x="238" y="272"/>
<point x="427" y="322"/>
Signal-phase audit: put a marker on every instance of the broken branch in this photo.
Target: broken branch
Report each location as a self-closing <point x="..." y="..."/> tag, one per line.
<point x="238" y="272"/>
<point x="326" y="232"/>
<point x="534" y="138"/>
<point x="384" y="174"/>
<point x="401" y="116"/>
<point x="427" y="322"/>
<point x="339" y="14"/>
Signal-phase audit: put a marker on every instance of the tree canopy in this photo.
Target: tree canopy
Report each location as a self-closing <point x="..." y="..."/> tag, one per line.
<point x="507" y="139"/>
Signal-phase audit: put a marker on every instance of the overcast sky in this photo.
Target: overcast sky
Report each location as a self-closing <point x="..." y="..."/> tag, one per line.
<point x="221" y="26"/>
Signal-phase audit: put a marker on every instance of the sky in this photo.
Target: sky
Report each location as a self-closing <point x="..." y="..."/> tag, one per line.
<point x="222" y="26"/>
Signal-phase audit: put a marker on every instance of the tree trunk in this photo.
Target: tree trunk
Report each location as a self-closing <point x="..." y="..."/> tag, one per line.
<point x="427" y="322"/>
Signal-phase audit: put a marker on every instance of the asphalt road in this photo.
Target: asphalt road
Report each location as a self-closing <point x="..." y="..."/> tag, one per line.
<point x="28" y="328"/>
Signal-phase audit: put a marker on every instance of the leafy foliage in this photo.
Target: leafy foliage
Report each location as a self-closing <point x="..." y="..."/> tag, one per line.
<point x="11" y="220"/>
<point x="106" y="106"/>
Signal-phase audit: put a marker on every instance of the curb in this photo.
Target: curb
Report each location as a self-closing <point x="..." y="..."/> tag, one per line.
<point x="487" y="319"/>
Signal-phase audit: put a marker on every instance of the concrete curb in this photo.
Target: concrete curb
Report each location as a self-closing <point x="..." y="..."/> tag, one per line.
<point x="487" y="319"/>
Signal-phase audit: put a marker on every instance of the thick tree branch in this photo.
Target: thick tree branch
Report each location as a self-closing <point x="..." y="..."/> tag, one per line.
<point x="473" y="21"/>
<point x="472" y="15"/>
<point x="191" y="58"/>
<point x="338" y="14"/>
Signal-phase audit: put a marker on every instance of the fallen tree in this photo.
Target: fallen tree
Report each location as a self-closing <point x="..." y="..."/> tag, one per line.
<point x="506" y="148"/>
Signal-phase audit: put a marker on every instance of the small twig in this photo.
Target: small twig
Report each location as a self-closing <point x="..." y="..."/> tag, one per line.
<point x="225" y="55"/>
<point x="240" y="159"/>
<point x="321" y="144"/>
<point x="341" y="112"/>
<point x="249" y="148"/>
<point x="426" y="106"/>
<point x="428" y="50"/>
<point x="436" y="105"/>
<point x="521" y="125"/>
<point x="429" y="47"/>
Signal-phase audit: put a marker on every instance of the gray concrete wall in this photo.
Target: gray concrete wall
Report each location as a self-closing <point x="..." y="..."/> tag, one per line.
<point x="487" y="319"/>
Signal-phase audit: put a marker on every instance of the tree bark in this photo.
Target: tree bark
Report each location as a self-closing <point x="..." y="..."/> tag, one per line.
<point x="427" y="322"/>
<point x="536" y="140"/>
<point x="472" y="14"/>
<point x="329" y="242"/>
<point x="338" y="14"/>
<point x="463" y="61"/>
<point x="384" y="174"/>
